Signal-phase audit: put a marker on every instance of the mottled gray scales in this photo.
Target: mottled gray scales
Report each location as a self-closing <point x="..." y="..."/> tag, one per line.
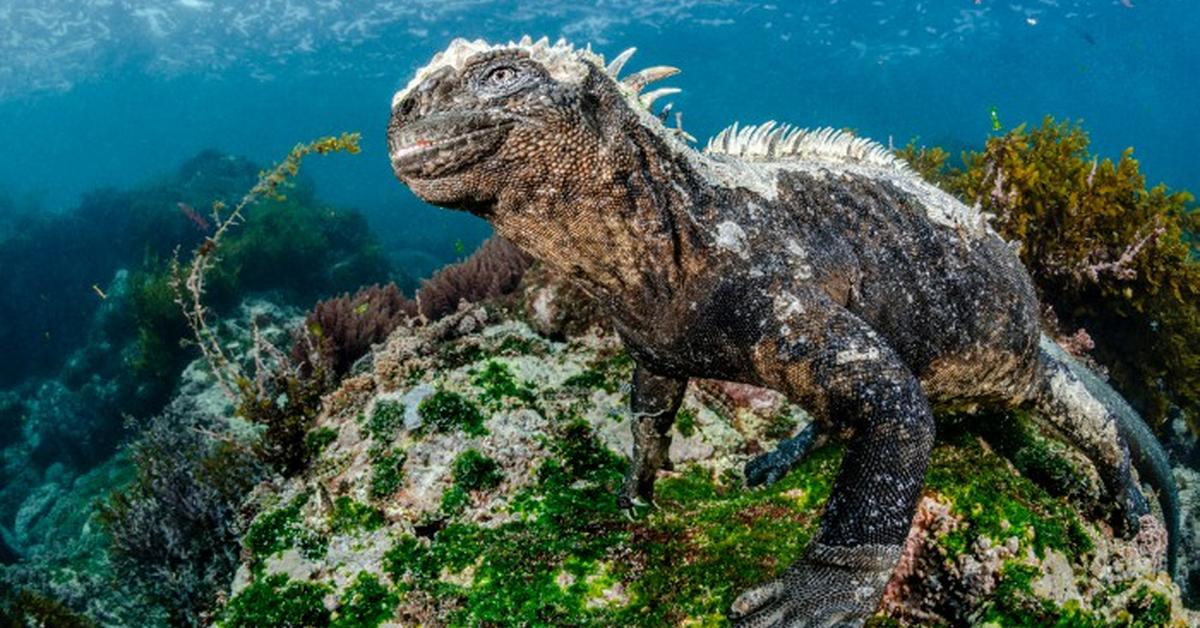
<point x="811" y="262"/>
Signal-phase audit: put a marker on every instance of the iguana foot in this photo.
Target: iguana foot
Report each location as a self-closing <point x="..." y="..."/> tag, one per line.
<point x="830" y="586"/>
<point x="771" y="467"/>
<point x="1131" y="507"/>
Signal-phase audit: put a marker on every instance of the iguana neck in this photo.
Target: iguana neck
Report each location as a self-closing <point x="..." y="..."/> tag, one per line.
<point x="623" y="228"/>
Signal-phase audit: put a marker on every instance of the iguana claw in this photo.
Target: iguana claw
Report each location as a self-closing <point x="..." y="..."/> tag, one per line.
<point x="831" y="586"/>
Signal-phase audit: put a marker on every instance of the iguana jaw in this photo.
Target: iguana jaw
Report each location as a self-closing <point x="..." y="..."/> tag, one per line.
<point x="442" y="144"/>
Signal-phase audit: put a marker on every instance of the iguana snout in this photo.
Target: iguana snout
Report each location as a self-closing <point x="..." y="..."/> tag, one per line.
<point x="442" y="144"/>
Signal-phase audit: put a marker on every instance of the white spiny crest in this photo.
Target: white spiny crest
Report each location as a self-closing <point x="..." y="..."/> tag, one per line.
<point x="632" y="85"/>
<point x="564" y="63"/>
<point x="640" y="79"/>
<point x="647" y="99"/>
<point x="772" y="142"/>
<point x="614" y="69"/>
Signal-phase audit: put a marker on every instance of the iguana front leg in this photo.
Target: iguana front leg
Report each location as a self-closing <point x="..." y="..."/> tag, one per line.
<point x="834" y="365"/>
<point x="654" y="401"/>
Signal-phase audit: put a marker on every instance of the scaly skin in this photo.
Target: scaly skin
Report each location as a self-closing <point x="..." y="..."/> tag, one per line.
<point x="820" y="268"/>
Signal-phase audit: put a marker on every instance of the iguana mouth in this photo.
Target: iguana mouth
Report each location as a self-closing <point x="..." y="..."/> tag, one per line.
<point x="441" y="144"/>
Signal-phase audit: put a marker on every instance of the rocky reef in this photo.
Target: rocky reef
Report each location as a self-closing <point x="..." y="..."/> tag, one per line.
<point x="468" y="475"/>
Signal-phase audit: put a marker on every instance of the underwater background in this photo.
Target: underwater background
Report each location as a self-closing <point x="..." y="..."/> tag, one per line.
<point x="122" y="121"/>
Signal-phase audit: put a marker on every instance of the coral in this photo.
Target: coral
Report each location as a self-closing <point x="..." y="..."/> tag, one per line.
<point x="342" y="329"/>
<point x="1109" y="254"/>
<point x="494" y="270"/>
<point x="175" y="529"/>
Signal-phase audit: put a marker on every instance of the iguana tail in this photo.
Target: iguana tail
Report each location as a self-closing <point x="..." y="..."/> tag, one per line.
<point x="1147" y="453"/>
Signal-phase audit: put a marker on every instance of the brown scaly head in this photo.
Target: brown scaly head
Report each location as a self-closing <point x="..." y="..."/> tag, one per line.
<point x="525" y="133"/>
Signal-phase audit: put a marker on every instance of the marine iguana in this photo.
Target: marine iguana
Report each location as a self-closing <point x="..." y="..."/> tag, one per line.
<point x="814" y="263"/>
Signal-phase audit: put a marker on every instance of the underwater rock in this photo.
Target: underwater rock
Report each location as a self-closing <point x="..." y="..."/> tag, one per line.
<point x="53" y="526"/>
<point x="1189" y="499"/>
<point x="471" y="477"/>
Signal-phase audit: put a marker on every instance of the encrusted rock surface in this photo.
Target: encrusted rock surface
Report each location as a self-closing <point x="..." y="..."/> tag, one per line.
<point x="529" y="530"/>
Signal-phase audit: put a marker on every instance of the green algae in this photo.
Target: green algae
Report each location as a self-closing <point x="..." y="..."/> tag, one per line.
<point x="366" y="603"/>
<point x="474" y="471"/>
<point x="447" y="411"/>
<point x="387" y="472"/>
<point x="685" y="422"/>
<point x="590" y="379"/>
<point x="998" y="504"/>
<point x="454" y="500"/>
<point x="531" y="570"/>
<point x="570" y="556"/>
<point x="385" y="421"/>
<point x="349" y="516"/>
<point x="607" y="372"/>
<point x="1014" y="604"/>
<point x="410" y="563"/>
<point x="1149" y="608"/>
<point x="318" y="439"/>
<point x="498" y="385"/>
<point x="780" y="426"/>
<point x="708" y="541"/>
<point x="513" y="345"/>
<point x="452" y="355"/>
<point x="1015" y="437"/>
<point x="276" y="600"/>
<point x="282" y="529"/>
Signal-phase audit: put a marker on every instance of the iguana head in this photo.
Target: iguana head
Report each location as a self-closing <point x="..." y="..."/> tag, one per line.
<point x="482" y="124"/>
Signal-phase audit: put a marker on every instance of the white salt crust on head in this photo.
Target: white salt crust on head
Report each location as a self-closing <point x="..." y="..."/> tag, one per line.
<point x="561" y="60"/>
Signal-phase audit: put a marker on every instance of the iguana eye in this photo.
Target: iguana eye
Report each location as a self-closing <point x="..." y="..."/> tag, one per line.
<point x="501" y="76"/>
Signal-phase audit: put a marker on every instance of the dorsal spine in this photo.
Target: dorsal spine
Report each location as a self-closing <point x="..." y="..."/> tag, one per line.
<point x="771" y="141"/>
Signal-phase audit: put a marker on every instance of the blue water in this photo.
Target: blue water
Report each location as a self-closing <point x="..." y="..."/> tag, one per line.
<point x="118" y="93"/>
<point x="102" y="93"/>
